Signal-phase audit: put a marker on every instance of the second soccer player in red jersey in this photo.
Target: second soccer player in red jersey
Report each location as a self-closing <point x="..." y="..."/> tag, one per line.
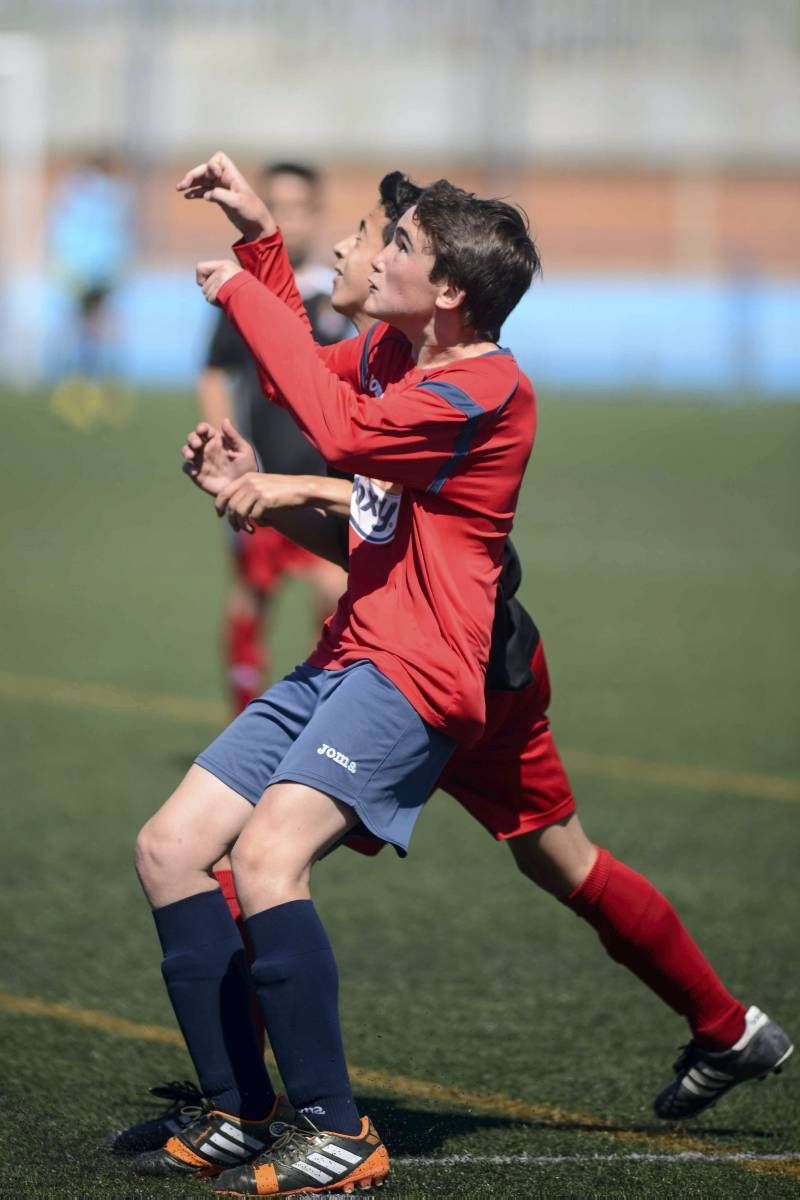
<point x="512" y="779"/>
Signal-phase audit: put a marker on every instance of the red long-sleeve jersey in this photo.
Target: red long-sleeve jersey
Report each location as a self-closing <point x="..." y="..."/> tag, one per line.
<point x="438" y="457"/>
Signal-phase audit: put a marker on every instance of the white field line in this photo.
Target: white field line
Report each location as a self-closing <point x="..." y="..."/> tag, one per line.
<point x="550" y="1160"/>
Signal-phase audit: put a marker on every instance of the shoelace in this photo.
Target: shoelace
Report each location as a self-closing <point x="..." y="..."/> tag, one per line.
<point x="179" y="1091"/>
<point x="688" y="1055"/>
<point x="293" y="1138"/>
<point x="187" y="1099"/>
<point x="195" y="1111"/>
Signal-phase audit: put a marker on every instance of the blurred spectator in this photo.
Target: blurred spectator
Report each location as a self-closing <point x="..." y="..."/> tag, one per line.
<point x="228" y="386"/>
<point x="90" y="243"/>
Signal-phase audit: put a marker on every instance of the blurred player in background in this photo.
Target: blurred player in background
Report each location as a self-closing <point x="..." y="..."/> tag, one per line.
<point x="90" y="242"/>
<point x="229" y="387"/>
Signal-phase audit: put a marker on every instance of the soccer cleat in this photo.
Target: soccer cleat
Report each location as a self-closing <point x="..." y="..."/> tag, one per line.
<point x="214" y="1140"/>
<point x="703" y="1076"/>
<point x="187" y="1101"/>
<point x="306" y="1160"/>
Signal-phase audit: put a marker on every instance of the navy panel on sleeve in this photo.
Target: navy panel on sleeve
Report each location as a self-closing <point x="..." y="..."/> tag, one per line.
<point x="471" y="410"/>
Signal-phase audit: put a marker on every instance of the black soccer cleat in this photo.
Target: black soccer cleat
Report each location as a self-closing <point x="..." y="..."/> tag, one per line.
<point x="703" y="1076"/>
<point x="186" y="1104"/>
<point x="305" y="1160"/>
<point x="214" y="1141"/>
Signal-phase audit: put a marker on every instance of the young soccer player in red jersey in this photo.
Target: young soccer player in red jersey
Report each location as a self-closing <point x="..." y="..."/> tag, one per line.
<point x="358" y="734"/>
<point x="512" y="779"/>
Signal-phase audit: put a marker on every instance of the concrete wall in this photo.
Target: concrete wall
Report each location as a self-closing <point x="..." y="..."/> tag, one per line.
<point x="586" y="80"/>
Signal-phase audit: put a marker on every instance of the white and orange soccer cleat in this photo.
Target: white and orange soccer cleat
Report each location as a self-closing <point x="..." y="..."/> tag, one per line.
<point x="214" y="1141"/>
<point x="306" y="1160"/>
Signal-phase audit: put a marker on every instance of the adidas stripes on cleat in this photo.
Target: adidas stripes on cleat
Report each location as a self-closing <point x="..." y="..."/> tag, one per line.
<point x="305" y="1160"/>
<point x="187" y="1103"/>
<point x="703" y="1076"/>
<point x="215" y="1140"/>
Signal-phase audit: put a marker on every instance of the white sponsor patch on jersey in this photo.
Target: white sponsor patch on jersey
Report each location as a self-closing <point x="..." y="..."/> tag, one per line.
<point x="374" y="509"/>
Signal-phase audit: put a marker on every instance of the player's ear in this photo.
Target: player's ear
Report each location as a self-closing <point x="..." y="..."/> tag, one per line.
<point x="450" y="297"/>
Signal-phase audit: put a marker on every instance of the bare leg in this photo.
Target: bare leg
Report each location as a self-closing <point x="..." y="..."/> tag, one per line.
<point x="291" y="827"/>
<point x="178" y="846"/>
<point x="557" y="858"/>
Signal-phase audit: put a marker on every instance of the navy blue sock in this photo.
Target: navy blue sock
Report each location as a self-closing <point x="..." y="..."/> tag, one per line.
<point x="206" y="974"/>
<point x="295" y="976"/>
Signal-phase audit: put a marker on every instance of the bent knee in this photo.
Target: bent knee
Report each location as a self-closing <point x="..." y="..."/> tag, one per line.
<point x="268" y="862"/>
<point x="257" y="857"/>
<point x="245" y="858"/>
<point x="154" y="847"/>
<point x="166" y="849"/>
<point x="556" y="858"/>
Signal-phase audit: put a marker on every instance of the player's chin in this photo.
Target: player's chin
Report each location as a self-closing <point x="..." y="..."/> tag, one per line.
<point x="374" y="304"/>
<point x="342" y="299"/>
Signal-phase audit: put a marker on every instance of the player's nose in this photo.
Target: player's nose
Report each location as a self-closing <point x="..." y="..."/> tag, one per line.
<point x="341" y="249"/>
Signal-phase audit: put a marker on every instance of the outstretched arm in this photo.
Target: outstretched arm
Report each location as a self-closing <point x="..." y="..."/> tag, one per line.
<point x="414" y="434"/>
<point x="255" y="497"/>
<point x="311" y="510"/>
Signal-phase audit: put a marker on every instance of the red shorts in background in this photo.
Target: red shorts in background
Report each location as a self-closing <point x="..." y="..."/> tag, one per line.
<point x="265" y="556"/>
<point x="512" y="781"/>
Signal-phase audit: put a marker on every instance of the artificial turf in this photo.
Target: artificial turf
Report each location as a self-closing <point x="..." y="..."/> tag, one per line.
<point x="661" y="562"/>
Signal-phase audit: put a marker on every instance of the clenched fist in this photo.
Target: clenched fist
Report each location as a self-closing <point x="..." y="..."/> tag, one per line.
<point x="211" y="276"/>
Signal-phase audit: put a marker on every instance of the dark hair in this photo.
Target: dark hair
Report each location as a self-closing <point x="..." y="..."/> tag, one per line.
<point x="397" y="194"/>
<point x="483" y="247"/>
<point x="304" y="171"/>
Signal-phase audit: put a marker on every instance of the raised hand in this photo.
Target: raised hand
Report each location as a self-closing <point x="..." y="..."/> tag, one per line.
<point x="221" y="182"/>
<point x="216" y="458"/>
<point x="210" y="276"/>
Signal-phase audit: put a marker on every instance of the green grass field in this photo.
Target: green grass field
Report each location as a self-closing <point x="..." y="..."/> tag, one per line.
<point x="491" y="1038"/>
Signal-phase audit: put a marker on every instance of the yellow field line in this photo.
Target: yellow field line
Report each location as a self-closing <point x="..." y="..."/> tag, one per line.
<point x="684" y="777"/>
<point x="105" y="697"/>
<point x="405" y="1086"/>
<point x="100" y="697"/>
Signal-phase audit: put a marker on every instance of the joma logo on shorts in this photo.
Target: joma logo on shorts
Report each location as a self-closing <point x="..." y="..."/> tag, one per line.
<point x="338" y="757"/>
